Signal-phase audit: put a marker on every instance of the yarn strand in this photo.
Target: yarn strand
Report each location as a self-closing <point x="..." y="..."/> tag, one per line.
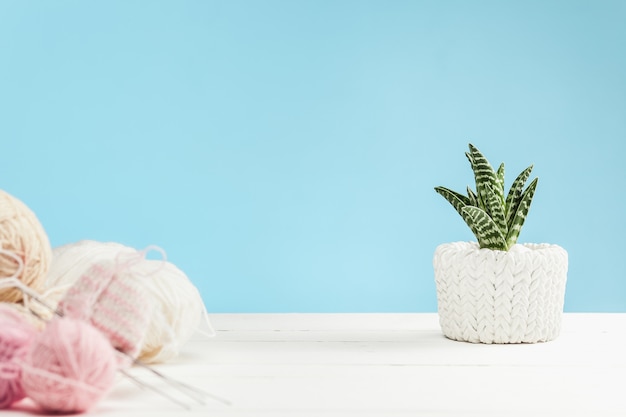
<point x="16" y="283"/>
<point x="139" y="256"/>
<point x="18" y="259"/>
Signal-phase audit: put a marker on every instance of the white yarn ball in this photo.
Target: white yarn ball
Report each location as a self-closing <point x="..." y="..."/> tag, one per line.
<point x="179" y="307"/>
<point x="180" y="313"/>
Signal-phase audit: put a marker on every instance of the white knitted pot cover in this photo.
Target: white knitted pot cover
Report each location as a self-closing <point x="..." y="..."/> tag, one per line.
<point x="489" y="296"/>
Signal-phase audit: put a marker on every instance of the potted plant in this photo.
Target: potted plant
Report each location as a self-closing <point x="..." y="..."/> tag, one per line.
<point x="496" y="290"/>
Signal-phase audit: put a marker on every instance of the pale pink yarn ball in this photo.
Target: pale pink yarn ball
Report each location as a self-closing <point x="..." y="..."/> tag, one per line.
<point x="16" y="335"/>
<point x="69" y="367"/>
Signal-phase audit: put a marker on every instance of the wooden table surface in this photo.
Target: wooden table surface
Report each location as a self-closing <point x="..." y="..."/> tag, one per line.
<point x="385" y="365"/>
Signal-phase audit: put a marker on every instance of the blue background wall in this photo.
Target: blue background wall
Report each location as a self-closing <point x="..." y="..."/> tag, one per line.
<point x="284" y="153"/>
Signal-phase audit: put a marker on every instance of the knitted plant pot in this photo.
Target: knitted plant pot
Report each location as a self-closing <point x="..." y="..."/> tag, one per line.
<point x="492" y="296"/>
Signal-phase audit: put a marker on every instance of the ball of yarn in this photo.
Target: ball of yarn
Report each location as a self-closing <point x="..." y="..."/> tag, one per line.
<point x="177" y="304"/>
<point x="179" y="310"/>
<point x="70" y="366"/>
<point x="16" y="335"/>
<point x="22" y="234"/>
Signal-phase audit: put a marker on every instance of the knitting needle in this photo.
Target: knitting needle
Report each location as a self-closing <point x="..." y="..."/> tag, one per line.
<point x="14" y="282"/>
<point x="155" y="389"/>
<point x="198" y="394"/>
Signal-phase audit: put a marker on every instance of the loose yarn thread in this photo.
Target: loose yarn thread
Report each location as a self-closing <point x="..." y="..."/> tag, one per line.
<point x="22" y="233"/>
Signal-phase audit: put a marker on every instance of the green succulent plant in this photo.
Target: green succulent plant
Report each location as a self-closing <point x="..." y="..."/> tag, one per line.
<point x="495" y="220"/>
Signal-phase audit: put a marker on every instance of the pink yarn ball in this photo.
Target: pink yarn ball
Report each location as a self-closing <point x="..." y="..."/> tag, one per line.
<point x="69" y="367"/>
<point x="16" y="334"/>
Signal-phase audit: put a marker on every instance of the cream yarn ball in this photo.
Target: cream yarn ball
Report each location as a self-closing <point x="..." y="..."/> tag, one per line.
<point x="178" y="304"/>
<point x="22" y="234"/>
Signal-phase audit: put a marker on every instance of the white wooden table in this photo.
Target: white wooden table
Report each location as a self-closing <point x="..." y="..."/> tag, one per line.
<point x="388" y="365"/>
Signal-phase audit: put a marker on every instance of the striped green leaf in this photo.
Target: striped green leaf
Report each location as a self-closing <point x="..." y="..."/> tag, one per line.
<point x="500" y="178"/>
<point x="484" y="228"/>
<point x="457" y="200"/>
<point x="496" y="210"/>
<point x="473" y="198"/>
<point x="520" y="214"/>
<point x="479" y="201"/>
<point x="515" y="195"/>
<point x="483" y="174"/>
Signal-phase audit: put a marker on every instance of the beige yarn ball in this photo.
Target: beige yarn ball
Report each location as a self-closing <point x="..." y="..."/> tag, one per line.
<point x="22" y="234"/>
<point x="178" y="305"/>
